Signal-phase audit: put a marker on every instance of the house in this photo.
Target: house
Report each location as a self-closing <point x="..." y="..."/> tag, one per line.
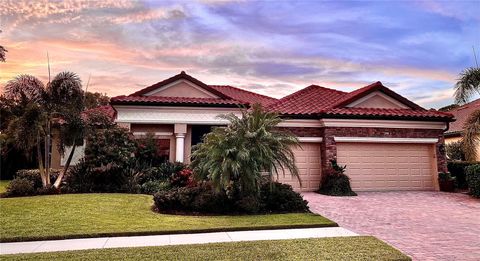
<point x="386" y="141"/>
<point x="461" y="114"/>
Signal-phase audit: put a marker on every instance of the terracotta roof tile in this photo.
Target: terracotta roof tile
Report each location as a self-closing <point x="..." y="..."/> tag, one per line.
<point x="461" y="115"/>
<point x="157" y="100"/>
<point x="244" y="95"/>
<point x="388" y="113"/>
<point x="311" y="100"/>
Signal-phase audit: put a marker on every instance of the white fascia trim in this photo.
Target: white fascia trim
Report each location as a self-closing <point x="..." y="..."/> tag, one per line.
<point x="142" y="133"/>
<point x="301" y="123"/>
<point x="386" y="97"/>
<point x="386" y="140"/>
<point x="310" y="139"/>
<point x="395" y="124"/>
<point x="177" y="82"/>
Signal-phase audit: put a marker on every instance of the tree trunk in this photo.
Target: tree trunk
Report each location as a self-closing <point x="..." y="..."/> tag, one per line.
<point x="40" y="165"/>
<point x="47" y="152"/>
<point x="65" y="168"/>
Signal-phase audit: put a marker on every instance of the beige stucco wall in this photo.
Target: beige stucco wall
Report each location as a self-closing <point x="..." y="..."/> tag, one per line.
<point x="449" y="140"/>
<point x="182" y="89"/>
<point x="377" y="102"/>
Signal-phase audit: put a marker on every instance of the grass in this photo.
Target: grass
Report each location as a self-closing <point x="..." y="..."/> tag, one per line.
<point x="3" y="185"/>
<point x="339" y="248"/>
<point x="95" y="215"/>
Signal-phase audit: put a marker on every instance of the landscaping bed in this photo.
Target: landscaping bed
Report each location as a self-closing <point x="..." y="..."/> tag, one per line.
<point x="339" y="248"/>
<point x="95" y="215"/>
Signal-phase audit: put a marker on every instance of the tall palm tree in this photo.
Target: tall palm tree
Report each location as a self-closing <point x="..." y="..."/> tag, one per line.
<point x="61" y="99"/>
<point x="236" y="156"/>
<point x="467" y="85"/>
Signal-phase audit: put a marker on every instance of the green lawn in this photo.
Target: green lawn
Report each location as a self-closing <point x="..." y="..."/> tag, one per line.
<point x="93" y="215"/>
<point x="339" y="248"/>
<point x="3" y="185"/>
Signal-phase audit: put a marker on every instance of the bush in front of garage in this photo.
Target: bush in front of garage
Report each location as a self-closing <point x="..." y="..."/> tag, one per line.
<point x="473" y="179"/>
<point x="457" y="170"/>
<point x="336" y="182"/>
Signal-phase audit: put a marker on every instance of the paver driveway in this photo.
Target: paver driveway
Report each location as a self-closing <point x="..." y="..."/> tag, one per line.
<point x="423" y="225"/>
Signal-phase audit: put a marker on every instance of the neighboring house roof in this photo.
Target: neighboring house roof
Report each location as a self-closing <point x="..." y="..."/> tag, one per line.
<point x="461" y="115"/>
<point x="228" y="96"/>
<point x="323" y="102"/>
<point x="105" y="109"/>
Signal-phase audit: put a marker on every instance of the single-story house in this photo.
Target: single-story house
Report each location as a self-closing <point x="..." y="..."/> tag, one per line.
<point x="461" y="114"/>
<point x="386" y="141"/>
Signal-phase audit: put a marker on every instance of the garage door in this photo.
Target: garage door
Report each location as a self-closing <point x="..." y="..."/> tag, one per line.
<point x="307" y="159"/>
<point x="382" y="166"/>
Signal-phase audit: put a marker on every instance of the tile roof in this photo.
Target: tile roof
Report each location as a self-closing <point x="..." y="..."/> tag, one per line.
<point x="228" y="95"/>
<point x="381" y="113"/>
<point x="323" y="102"/>
<point x="461" y="115"/>
<point x="244" y="95"/>
<point x="161" y="100"/>
<point x="308" y="101"/>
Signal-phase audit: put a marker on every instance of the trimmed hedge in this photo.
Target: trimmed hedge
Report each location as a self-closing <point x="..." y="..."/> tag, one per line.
<point x="457" y="170"/>
<point x="202" y="198"/>
<point x="473" y="179"/>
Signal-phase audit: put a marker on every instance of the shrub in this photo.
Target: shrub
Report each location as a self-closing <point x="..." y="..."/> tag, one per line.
<point x="280" y="198"/>
<point x="21" y="187"/>
<point x="446" y="182"/>
<point x="336" y="183"/>
<point x="202" y="198"/>
<point x="473" y="180"/>
<point x="457" y="170"/>
<point x="34" y="176"/>
<point x="182" y="178"/>
<point x="454" y="151"/>
<point x="85" y="178"/>
<point x="152" y="187"/>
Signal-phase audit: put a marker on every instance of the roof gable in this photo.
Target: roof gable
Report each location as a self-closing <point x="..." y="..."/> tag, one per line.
<point x="180" y="78"/>
<point x="181" y="88"/>
<point x="377" y="100"/>
<point x="358" y="94"/>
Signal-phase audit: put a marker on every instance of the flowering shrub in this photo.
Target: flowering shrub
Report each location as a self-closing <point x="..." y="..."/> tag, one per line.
<point x="182" y="178"/>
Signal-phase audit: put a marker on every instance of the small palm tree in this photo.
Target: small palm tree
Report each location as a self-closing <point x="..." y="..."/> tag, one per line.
<point x="61" y="99"/>
<point x="467" y="85"/>
<point x="235" y="157"/>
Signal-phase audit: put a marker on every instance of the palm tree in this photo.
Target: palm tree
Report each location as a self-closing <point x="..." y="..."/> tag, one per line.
<point x="467" y="85"/>
<point x="62" y="99"/>
<point x="235" y="157"/>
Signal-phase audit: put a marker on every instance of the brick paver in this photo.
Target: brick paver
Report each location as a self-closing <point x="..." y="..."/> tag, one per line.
<point x="423" y="225"/>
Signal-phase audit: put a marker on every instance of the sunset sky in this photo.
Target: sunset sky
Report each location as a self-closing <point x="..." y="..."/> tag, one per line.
<point x="274" y="47"/>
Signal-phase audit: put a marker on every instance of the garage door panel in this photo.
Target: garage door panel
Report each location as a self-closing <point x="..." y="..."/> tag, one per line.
<point x="377" y="166"/>
<point x="307" y="159"/>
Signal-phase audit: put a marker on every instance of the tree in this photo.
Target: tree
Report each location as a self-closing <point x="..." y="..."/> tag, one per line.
<point x="2" y="52"/>
<point x="95" y="99"/>
<point x="62" y="101"/>
<point x="467" y="85"/>
<point x="235" y="157"/>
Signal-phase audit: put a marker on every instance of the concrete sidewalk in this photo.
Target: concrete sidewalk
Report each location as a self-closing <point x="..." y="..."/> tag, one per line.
<point x="164" y="240"/>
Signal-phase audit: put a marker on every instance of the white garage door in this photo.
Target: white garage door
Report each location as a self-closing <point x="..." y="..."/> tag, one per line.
<point x="382" y="166"/>
<point x="308" y="162"/>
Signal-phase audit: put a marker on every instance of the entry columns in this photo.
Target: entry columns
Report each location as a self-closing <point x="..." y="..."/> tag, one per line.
<point x="180" y="132"/>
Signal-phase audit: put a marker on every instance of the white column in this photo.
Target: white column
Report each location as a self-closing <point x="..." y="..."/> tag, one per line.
<point x="180" y="145"/>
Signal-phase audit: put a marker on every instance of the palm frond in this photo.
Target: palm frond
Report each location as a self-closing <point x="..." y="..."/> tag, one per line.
<point x="467" y="85"/>
<point x="471" y="136"/>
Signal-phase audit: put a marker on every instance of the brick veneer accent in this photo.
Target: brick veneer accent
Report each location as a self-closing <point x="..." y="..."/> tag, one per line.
<point x="329" y="147"/>
<point x="304" y="131"/>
